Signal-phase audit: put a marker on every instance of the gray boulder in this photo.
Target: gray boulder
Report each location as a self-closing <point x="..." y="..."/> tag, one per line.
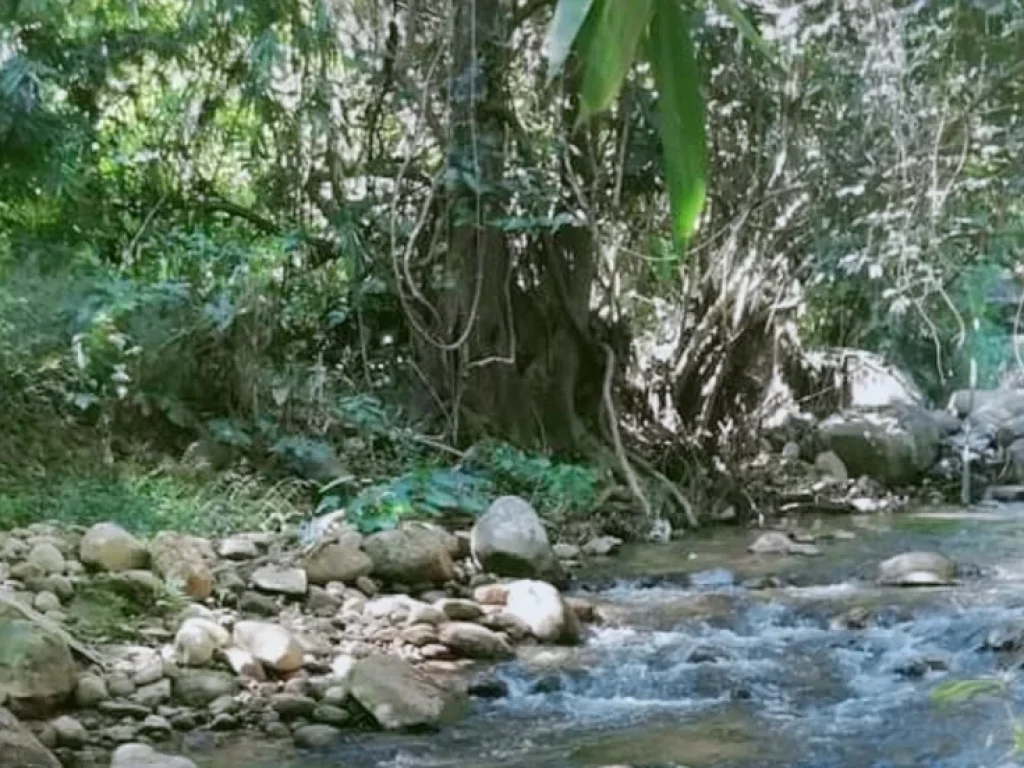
<point x="410" y="554"/>
<point x="913" y="569"/>
<point x="400" y="696"/>
<point x="37" y="672"/>
<point x="895" y="446"/>
<point x="509" y="540"/>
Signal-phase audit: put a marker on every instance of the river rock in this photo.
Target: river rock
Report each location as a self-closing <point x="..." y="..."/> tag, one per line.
<point x="280" y="579"/>
<point x="70" y="732"/>
<point x="342" y="560"/>
<point x="90" y="690"/>
<point x="895" y="446"/>
<point x="410" y="555"/>
<point x="540" y="607"/>
<point x="270" y="644"/>
<point x="182" y="562"/>
<point x="198" y="687"/>
<point x="19" y="748"/>
<point x="198" y="639"/>
<point x="46" y="557"/>
<point x="917" y="569"/>
<point x="474" y="641"/>
<point x="144" y="756"/>
<point x="37" y="672"/>
<point x="509" y="540"/>
<point x="398" y="695"/>
<point x="778" y="543"/>
<point x="238" y="547"/>
<point x="110" y="547"/>
<point x="600" y="546"/>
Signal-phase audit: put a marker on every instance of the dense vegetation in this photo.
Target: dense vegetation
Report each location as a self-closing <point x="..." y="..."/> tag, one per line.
<point x="346" y="241"/>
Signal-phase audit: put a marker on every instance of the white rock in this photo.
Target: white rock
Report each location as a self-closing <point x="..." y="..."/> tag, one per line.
<point x="540" y="606"/>
<point x="198" y="640"/>
<point x="270" y="644"/>
<point x="240" y="547"/>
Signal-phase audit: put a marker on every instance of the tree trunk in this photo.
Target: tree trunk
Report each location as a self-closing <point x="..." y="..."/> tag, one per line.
<point x="512" y="346"/>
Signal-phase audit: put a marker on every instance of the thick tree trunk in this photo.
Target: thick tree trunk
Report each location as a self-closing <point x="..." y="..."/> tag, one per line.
<point x="514" y="325"/>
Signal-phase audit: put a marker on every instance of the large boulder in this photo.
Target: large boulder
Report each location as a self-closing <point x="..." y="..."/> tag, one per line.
<point x="411" y="554"/>
<point x="144" y="756"/>
<point x="509" y="540"/>
<point x="895" y="446"/>
<point x="540" y="607"/>
<point x="37" y="672"/>
<point x="110" y="547"/>
<point x="183" y="562"/>
<point x="19" y="748"/>
<point x="912" y="569"/>
<point x="398" y="695"/>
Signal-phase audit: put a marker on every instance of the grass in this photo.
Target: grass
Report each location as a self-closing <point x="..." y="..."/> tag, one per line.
<point x="148" y="501"/>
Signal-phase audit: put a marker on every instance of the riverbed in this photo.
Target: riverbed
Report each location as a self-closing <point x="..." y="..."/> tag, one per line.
<point x="711" y="656"/>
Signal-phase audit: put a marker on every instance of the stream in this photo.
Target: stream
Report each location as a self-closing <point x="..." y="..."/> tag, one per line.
<point x="695" y="666"/>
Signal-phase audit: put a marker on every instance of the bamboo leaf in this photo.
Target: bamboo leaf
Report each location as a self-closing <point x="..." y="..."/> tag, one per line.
<point x="732" y="9"/>
<point x="958" y="691"/>
<point x="564" y="29"/>
<point x="674" y="63"/>
<point x="610" y="40"/>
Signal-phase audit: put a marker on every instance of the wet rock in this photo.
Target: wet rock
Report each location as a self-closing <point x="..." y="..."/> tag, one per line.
<point x="601" y="546"/>
<point x="182" y="562"/>
<point x="144" y="756"/>
<point x="917" y="569"/>
<point x="343" y="560"/>
<point x="661" y="532"/>
<point x="120" y="709"/>
<point x="488" y="686"/>
<point x="198" y="687"/>
<point x="540" y="606"/>
<point x="857" y="617"/>
<point x="1005" y="493"/>
<point x="778" y="543"/>
<point x="156" y="727"/>
<point x="19" y="747"/>
<point x="509" y="539"/>
<point x="920" y="667"/>
<point x="474" y="641"/>
<point x="270" y="644"/>
<point x="37" y="672"/>
<point x="316" y="736"/>
<point x="1008" y="638"/>
<point x="110" y="547"/>
<point x="281" y="580"/>
<point x="400" y="696"/>
<point x="410" y="555"/>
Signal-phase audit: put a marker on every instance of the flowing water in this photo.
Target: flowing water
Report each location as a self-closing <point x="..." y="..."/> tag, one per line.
<point x="694" y="667"/>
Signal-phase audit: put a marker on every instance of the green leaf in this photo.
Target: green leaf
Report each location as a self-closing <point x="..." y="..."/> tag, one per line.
<point x="958" y="691"/>
<point x="565" y="26"/>
<point x="682" y="114"/>
<point x="609" y="44"/>
<point x="732" y="9"/>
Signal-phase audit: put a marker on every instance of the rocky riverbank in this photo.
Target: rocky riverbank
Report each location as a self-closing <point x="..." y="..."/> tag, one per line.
<point x="120" y="652"/>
